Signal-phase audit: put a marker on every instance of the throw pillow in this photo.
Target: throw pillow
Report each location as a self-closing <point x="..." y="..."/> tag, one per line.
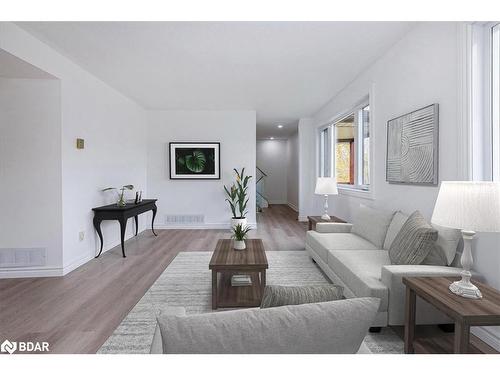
<point x="414" y="241"/>
<point x="275" y="295"/>
<point x="371" y="224"/>
<point x="397" y="223"/>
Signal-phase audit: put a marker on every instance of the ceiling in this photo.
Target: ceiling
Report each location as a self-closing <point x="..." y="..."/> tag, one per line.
<point x="282" y="70"/>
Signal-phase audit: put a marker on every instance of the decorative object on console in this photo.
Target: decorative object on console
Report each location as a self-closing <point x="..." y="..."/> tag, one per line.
<point x="121" y="195"/>
<point x="239" y="235"/>
<point x="472" y="206"/>
<point x="237" y="197"/>
<point x="412" y="147"/>
<point x="326" y="186"/>
<point x="194" y="160"/>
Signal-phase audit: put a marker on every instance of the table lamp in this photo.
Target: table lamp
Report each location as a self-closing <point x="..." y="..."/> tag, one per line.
<point x="470" y="206"/>
<point x="326" y="186"/>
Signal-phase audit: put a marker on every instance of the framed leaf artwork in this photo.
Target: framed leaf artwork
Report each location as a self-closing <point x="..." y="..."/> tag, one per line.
<point x="194" y="160"/>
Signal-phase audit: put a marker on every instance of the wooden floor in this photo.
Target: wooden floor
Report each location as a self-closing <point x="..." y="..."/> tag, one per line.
<point x="78" y="312"/>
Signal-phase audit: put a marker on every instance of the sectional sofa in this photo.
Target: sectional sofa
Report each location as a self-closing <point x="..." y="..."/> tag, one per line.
<point x="355" y="255"/>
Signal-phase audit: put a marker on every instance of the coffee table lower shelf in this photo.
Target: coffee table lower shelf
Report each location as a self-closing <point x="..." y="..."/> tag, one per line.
<point x="238" y="296"/>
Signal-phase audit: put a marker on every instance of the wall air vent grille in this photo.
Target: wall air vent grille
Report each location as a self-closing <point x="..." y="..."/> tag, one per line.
<point x="184" y="219"/>
<point x="18" y="257"/>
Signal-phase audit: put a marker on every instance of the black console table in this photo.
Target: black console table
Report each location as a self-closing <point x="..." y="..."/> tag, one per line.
<point x="122" y="214"/>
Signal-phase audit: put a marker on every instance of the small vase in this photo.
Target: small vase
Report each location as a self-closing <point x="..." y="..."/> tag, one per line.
<point x="239" y="245"/>
<point x="121" y="201"/>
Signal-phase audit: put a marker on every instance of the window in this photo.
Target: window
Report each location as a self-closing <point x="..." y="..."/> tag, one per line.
<point x="482" y="84"/>
<point x="344" y="149"/>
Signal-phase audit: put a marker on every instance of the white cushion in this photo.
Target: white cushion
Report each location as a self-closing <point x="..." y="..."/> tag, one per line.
<point x="361" y="272"/>
<point x="397" y="223"/>
<point x="371" y="224"/>
<point x="327" y="327"/>
<point x="323" y="242"/>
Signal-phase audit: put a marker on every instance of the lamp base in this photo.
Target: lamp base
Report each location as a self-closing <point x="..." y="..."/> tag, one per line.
<point x="466" y="289"/>
<point x="326" y="217"/>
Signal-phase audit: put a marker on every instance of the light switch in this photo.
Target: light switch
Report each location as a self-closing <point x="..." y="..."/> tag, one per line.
<point x="80" y="143"/>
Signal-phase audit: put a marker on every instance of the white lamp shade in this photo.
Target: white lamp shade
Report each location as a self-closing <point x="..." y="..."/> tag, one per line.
<point x="468" y="205"/>
<point x="326" y="186"/>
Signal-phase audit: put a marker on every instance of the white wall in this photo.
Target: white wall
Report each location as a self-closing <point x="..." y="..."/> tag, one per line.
<point x="235" y="130"/>
<point x="114" y="130"/>
<point x="30" y="167"/>
<point x="420" y="69"/>
<point x="293" y="171"/>
<point x="272" y="159"/>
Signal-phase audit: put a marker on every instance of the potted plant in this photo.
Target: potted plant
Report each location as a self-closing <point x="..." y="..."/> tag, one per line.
<point x="121" y="194"/>
<point x="239" y="234"/>
<point x="237" y="197"/>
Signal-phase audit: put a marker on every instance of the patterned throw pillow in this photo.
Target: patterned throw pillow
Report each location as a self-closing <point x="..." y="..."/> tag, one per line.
<point x="275" y="295"/>
<point x="414" y="241"/>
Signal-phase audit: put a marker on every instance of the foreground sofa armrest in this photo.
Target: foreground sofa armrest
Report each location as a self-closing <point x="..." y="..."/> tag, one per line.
<point x="392" y="277"/>
<point x="333" y="227"/>
<point x="157" y="345"/>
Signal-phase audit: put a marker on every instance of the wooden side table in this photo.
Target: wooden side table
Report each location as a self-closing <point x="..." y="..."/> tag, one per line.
<point x="313" y="220"/>
<point x="463" y="311"/>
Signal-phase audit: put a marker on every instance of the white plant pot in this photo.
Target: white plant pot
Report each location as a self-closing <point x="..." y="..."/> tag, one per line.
<point x="239" y="245"/>
<point x="235" y="222"/>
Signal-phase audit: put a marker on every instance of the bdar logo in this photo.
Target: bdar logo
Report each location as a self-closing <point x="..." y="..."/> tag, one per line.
<point x="8" y="347"/>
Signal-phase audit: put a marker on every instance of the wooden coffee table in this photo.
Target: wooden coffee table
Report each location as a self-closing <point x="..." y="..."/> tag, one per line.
<point x="226" y="262"/>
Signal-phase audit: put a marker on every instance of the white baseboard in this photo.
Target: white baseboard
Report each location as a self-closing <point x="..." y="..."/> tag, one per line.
<point x="303" y="218"/>
<point x="293" y="207"/>
<point x="487" y="336"/>
<point x="16" y="273"/>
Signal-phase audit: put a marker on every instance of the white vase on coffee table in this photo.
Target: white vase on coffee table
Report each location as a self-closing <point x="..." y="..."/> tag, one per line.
<point x="239" y="245"/>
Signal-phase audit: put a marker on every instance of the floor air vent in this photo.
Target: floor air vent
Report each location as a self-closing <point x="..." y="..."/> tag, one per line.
<point x="31" y="257"/>
<point x="184" y="219"/>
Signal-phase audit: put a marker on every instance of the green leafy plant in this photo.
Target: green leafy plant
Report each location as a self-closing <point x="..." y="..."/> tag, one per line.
<point x="195" y="162"/>
<point x="237" y="194"/>
<point x="240" y="232"/>
<point x="121" y="193"/>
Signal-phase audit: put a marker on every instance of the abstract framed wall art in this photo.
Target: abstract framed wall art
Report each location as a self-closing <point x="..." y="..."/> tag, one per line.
<point x="194" y="160"/>
<point x="412" y="147"/>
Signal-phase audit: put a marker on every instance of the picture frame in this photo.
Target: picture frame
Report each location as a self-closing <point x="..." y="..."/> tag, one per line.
<point x="412" y="154"/>
<point x="194" y="160"/>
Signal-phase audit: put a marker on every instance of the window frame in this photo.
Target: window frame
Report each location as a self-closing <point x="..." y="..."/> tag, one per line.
<point x="358" y="188"/>
<point x="494" y="99"/>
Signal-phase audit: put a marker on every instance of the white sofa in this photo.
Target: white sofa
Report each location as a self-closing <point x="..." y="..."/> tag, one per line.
<point x="364" y="269"/>
<point x="327" y="327"/>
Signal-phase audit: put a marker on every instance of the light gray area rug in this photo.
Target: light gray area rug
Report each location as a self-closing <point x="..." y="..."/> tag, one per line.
<point x="187" y="281"/>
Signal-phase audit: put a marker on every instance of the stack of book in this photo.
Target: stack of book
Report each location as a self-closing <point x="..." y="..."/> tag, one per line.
<point x="241" y="280"/>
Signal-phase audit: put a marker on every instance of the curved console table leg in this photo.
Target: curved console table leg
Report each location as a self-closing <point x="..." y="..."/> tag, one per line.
<point x="97" y="226"/>
<point x="123" y="227"/>
<point x="136" y="224"/>
<point x="153" y="221"/>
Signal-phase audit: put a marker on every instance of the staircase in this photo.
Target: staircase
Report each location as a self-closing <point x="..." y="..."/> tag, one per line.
<point x="261" y="200"/>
